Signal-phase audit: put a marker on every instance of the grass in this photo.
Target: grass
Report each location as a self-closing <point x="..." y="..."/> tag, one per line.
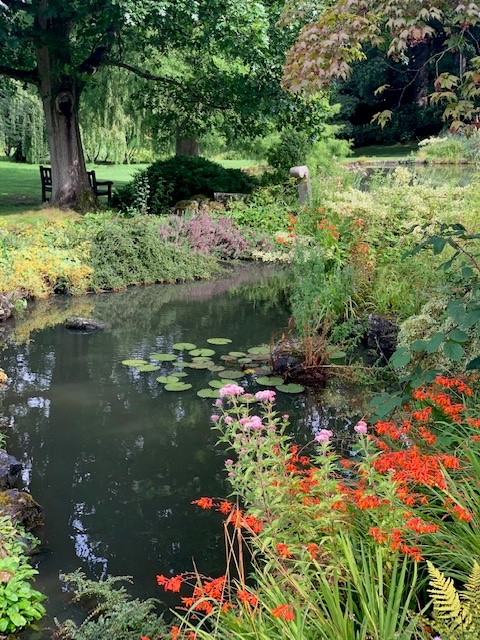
<point x="378" y="152"/>
<point x="20" y="189"/>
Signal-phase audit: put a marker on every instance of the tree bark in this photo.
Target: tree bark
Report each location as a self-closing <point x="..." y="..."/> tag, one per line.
<point x="60" y="95"/>
<point x="186" y="146"/>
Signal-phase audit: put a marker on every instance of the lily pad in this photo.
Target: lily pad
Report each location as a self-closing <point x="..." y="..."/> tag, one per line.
<point x="202" y="352"/>
<point x="231" y="374"/>
<point x="228" y="358"/>
<point x="208" y="393"/>
<point x="249" y="399"/>
<point x="263" y="350"/>
<point x="269" y="381"/>
<point x="133" y="363"/>
<point x="147" y="367"/>
<point x="178" y="363"/>
<point x="196" y="365"/>
<point x="219" y="384"/>
<point x="215" y="367"/>
<point x="290" y="388"/>
<point x="180" y="374"/>
<point x="219" y="340"/>
<point x="202" y="359"/>
<point x="177" y="386"/>
<point x="163" y="357"/>
<point x="168" y="379"/>
<point x="245" y="360"/>
<point x="184" y="346"/>
<point x="237" y="354"/>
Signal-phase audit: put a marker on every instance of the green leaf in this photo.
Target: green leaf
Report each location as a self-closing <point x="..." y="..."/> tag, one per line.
<point x="473" y="364"/>
<point x="457" y="335"/>
<point x="290" y="388"/>
<point x="453" y="350"/>
<point x="269" y="381"/>
<point x="435" y="341"/>
<point x="456" y="311"/>
<point x="177" y="386"/>
<point x="208" y="393"/>
<point x="400" y="358"/>
<point x="133" y="363"/>
<point x="202" y="352"/>
<point x="219" y="341"/>
<point x="231" y="374"/>
<point x="147" y="367"/>
<point x="418" y="345"/>
<point x="263" y="350"/>
<point x="168" y="379"/>
<point x="184" y="346"/>
<point x="438" y="244"/>
<point x="17" y="619"/>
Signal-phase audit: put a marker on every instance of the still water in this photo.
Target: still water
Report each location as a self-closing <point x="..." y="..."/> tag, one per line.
<point x="115" y="459"/>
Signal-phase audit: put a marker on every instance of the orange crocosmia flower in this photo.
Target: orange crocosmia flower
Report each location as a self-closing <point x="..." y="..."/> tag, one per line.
<point x="284" y="611"/>
<point x="427" y="435"/>
<point x="423" y="415"/>
<point x="281" y="240"/>
<point x="253" y="523"/>
<point x="144" y="638"/>
<point x="420" y="526"/>
<point x="175" y="632"/>
<point x="204" y="503"/>
<point x="284" y="551"/>
<point x="246" y="597"/>
<point x="450" y="462"/>
<point x="461" y="513"/>
<point x="474" y="422"/>
<point x="161" y="580"/>
<point x="173" y="584"/>
<point x="225" y="507"/>
<point x="313" y="549"/>
<point x="235" y="518"/>
<point x="214" y="588"/>
<point x="377" y="534"/>
<point x="368" y="502"/>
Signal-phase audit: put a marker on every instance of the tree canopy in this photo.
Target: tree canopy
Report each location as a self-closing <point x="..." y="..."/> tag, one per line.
<point x="333" y="37"/>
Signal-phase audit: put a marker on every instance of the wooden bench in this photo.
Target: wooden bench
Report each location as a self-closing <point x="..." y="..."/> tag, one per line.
<point x="99" y="187"/>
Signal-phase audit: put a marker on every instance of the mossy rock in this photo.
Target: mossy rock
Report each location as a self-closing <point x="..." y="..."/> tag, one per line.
<point x="21" y="508"/>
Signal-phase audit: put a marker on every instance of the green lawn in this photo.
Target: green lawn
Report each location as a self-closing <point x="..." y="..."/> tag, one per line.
<point x="21" y="193"/>
<point x="378" y="152"/>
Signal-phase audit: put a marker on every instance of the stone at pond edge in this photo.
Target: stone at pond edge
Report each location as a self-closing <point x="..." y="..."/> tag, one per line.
<point x="88" y="325"/>
<point x="21" y="508"/>
<point x="10" y="469"/>
<point x="382" y="335"/>
<point x="6" y="308"/>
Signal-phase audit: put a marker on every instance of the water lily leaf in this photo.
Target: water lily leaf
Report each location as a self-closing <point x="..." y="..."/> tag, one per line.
<point x="180" y="374"/>
<point x="237" y="354"/>
<point x="219" y="384"/>
<point x="258" y="357"/>
<point x="245" y="360"/>
<point x="263" y="350"/>
<point x="269" y="381"/>
<point x="215" y="367"/>
<point x="168" y="379"/>
<point x="178" y="363"/>
<point x="208" y="393"/>
<point x="133" y="363"/>
<point x="265" y="367"/>
<point x="147" y="367"/>
<point x="219" y="340"/>
<point x="228" y="358"/>
<point x="250" y="399"/>
<point x="184" y="346"/>
<point x="177" y="386"/>
<point x="290" y="388"/>
<point x="231" y="374"/>
<point x="202" y="359"/>
<point x="163" y="357"/>
<point x="202" y="352"/>
<point x="197" y="365"/>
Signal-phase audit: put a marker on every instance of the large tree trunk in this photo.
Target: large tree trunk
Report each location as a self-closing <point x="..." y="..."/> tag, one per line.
<point x="60" y="95"/>
<point x="186" y="146"/>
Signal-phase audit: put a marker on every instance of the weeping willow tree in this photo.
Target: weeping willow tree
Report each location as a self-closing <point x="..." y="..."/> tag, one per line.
<point x="114" y="120"/>
<point x="22" y="128"/>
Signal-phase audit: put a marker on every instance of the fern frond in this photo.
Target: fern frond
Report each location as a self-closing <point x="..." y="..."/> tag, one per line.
<point x="446" y="601"/>
<point x="470" y="597"/>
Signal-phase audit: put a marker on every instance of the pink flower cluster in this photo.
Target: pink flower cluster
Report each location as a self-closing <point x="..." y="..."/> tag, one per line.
<point x="324" y="435"/>
<point x="231" y="390"/>
<point x="265" y="396"/>
<point x="361" y="427"/>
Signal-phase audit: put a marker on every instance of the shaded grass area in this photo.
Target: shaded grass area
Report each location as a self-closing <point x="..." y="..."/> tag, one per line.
<point x="378" y="152"/>
<point x="20" y="189"/>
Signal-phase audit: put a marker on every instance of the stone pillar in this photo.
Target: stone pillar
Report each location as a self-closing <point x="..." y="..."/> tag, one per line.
<point x="302" y="176"/>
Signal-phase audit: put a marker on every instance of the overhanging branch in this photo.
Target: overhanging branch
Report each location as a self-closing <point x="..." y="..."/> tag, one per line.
<point x="170" y="81"/>
<point x="24" y="75"/>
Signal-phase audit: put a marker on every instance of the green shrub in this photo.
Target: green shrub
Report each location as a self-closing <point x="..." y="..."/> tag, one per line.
<point x="292" y="149"/>
<point x="182" y="177"/>
<point x="20" y="604"/>
<point x="450" y="149"/>
<point x="115" y="615"/>
<point x="126" y="252"/>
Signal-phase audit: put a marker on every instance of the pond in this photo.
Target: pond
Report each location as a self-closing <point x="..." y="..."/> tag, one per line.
<point x="113" y="457"/>
<point x="437" y="174"/>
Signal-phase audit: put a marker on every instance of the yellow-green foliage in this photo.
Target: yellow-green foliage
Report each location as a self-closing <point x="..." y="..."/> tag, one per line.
<point x="36" y="262"/>
<point x="456" y="613"/>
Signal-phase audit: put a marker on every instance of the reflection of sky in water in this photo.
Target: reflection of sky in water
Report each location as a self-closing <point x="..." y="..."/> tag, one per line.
<point x="115" y="460"/>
